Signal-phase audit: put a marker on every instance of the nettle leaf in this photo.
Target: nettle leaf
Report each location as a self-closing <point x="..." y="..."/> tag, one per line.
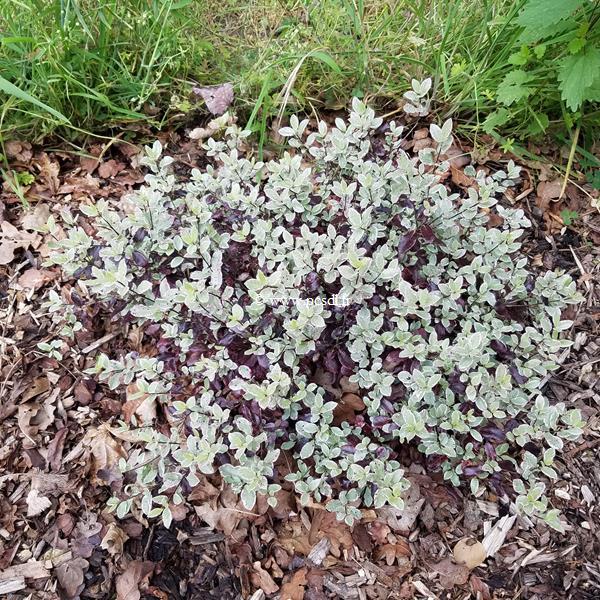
<point x="540" y="17"/>
<point x="578" y="74"/>
<point x="514" y="87"/>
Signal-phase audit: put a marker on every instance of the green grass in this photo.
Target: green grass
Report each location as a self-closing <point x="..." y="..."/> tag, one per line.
<point x="88" y="64"/>
<point x="100" y="64"/>
<point x="378" y="46"/>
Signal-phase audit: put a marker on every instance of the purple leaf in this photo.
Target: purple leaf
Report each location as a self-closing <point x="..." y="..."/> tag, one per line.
<point x="218" y="98"/>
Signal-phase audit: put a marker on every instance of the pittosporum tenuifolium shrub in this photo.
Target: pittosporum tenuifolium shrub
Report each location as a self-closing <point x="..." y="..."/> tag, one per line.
<point x="443" y="331"/>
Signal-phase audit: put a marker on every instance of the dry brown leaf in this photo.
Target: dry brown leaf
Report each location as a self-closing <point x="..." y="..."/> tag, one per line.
<point x="460" y="179"/>
<point x="20" y="151"/>
<point x="33" y="279"/>
<point x="548" y="191"/>
<point x="379" y="531"/>
<point x="37" y="218"/>
<point x="451" y="574"/>
<point x="393" y="552"/>
<point x="87" y="536"/>
<point x="114" y="539"/>
<point x="226" y="513"/>
<point x="293" y="537"/>
<point x="294" y="588"/>
<point x="286" y="504"/>
<point x="49" y="171"/>
<point x="325" y="524"/>
<point x="38" y="386"/>
<point x="55" y="449"/>
<point x="469" y="552"/>
<point x="218" y="98"/>
<point x="402" y="520"/>
<point x="106" y="450"/>
<point x="70" y="576"/>
<point x="262" y="579"/>
<point x="35" y="416"/>
<point x="140" y="405"/>
<point x="36" y="504"/>
<point x="110" y="168"/>
<point x="11" y="239"/>
<point x="135" y="576"/>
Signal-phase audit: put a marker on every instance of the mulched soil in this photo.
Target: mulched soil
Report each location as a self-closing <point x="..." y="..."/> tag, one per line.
<point x="58" y="541"/>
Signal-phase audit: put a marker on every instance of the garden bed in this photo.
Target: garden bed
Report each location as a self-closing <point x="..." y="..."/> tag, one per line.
<point x="58" y="450"/>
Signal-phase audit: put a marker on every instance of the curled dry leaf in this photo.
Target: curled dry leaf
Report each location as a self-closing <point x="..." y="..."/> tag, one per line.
<point x="114" y="540"/>
<point x="469" y="552"/>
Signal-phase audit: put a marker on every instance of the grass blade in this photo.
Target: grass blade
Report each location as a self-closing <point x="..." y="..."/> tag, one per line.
<point x="12" y="90"/>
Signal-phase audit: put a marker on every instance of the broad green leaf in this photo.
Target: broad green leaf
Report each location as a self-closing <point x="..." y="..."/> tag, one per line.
<point x="514" y="87"/>
<point x="540" y="18"/>
<point x="577" y="74"/>
<point x="12" y="90"/>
